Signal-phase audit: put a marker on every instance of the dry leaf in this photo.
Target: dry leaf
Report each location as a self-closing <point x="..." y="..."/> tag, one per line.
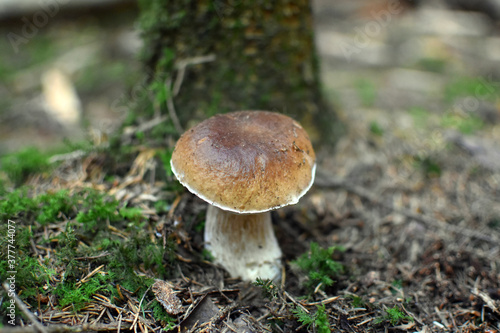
<point x="166" y="296"/>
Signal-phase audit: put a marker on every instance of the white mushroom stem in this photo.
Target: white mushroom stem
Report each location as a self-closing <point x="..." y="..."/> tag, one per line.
<point x="244" y="244"/>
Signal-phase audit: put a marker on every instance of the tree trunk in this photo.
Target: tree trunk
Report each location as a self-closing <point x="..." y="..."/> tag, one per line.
<point x="263" y="59"/>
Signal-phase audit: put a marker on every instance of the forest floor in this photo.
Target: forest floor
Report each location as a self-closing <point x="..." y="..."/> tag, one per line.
<point x="408" y="202"/>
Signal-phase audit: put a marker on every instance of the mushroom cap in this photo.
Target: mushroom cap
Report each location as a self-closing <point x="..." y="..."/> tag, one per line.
<point x="246" y="161"/>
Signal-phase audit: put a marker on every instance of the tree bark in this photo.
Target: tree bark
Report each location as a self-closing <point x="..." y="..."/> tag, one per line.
<point x="264" y="53"/>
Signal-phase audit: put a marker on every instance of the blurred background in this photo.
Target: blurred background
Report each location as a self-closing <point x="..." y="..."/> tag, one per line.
<point x="68" y="69"/>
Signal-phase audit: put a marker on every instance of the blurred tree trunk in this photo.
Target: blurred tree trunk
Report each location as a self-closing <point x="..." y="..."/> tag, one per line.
<point x="264" y="58"/>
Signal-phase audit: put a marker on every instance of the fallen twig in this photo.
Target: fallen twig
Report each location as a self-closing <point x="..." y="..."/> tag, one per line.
<point x="171" y="108"/>
<point x="74" y="155"/>
<point x="181" y="70"/>
<point x="37" y="326"/>
<point x="104" y="254"/>
<point x="143" y="127"/>
<point x="181" y="67"/>
<point x="325" y="301"/>
<point x="113" y="326"/>
<point x="488" y="301"/>
<point x="139" y="311"/>
<point x="295" y="302"/>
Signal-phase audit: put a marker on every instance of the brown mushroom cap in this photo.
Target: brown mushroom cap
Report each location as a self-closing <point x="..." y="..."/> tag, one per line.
<point x="246" y="161"/>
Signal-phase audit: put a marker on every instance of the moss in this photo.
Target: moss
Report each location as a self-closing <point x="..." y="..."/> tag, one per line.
<point x="376" y="129"/>
<point x="494" y="223"/>
<point x="420" y="116"/>
<point x="161" y="207"/>
<point x="82" y="218"/>
<point x="367" y="92"/>
<point x="53" y="205"/>
<point x="480" y="88"/>
<point x="466" y="124"/>
<point x="394" y="316"/>
<point x="131" y="213"/>
<point x="319" y="265"/>
<point x="396" y="286"/>
<point x="429" y="166"/>
<point x="433" y="65"/>
<point x="357" y="302"/>
<point x="269" y="289"/>
<point x="139" y="250"/>
<point x="67" y="250"/>
<point x="17" y="203"/>
<point x="79" y="295"/>
<point x="18" y="166"/>
<point x="318" y="319"/>
<point x="168" y="322"/>
<point x="31" y="274"/>
<point x="96" y="211"/>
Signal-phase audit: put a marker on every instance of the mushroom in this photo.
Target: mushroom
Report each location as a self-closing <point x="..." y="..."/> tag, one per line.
<point x="245" y="164"/>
